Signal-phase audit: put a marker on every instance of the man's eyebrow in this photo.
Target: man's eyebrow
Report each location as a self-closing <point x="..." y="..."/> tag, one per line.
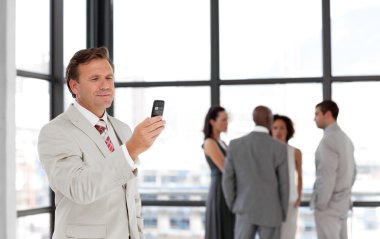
<point x="97" y="75"/>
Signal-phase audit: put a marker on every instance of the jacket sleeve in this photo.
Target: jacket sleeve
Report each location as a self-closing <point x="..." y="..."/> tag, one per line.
<point x="283" y="179"/>
<point x="68" y="173"/>
<point x="135" y="219"/>
<point x="326" y="174"/>
<point x="229" y="179"/>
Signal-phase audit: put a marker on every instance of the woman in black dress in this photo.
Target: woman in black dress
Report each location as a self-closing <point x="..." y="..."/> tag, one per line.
<point x="219" y="219"/>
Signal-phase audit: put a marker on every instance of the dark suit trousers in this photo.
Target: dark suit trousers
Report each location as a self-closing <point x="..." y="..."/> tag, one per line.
<point x="246" y="230"/>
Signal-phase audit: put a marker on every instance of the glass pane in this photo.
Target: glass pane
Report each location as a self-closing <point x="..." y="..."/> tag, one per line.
<point x="297" y="101"/>
<point x="67" y="98"/>
<point x="305" y="224"/>
<point x="33" y="35"/>
<point x="162" y="40"/>
<point x="261" y="39"/>
<point x="74" y="27"/>
<point x="174" y="222"/>
<point x="355" y="37"/>
<point x="185" y="222"/>
<point x="74" y="35"/>
<point x="356" y="101"/>
<point x="365" y="223"/>
<point x="31" y="182"/>
<point x="174" y="168"/>
<point x="34" y="227"/>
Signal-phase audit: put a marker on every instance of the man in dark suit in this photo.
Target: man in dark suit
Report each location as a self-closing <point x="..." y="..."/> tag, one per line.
<point x="256" y="180"/>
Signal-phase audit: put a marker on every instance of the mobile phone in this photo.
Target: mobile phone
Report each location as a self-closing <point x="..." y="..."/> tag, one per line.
<point x="158" y="108"/>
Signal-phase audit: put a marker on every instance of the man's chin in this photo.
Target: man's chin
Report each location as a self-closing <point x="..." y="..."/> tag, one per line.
<point x="106" y="104"/>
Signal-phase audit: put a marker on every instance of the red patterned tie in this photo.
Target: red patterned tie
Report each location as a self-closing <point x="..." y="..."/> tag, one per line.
<point x="101" y="126"/>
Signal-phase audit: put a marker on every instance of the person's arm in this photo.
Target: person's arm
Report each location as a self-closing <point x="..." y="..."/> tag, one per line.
<point x="283" y="178"/>
<point x="298" y="159"/>
<point x="212" y="150"/>
<point x="73" y="173"/>
<point x="134" y="208"/>
<point x="229" y="179"/>
<point x="144" y="135"/>
<point x="327" y="173"/>
<point x="355" y="167"/>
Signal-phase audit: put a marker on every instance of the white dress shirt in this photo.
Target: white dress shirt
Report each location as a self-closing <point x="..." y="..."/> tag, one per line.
<point x="93" y="119"/>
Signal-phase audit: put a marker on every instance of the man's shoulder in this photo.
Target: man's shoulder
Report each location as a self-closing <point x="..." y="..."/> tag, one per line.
<point x="334" y="134"/>
<point x="253" y="136"/>
<point x="336" y="138"/>
<point x="277" y="145"/>
<point x="243" y="138"/>
<point x="59" y="119"/>
<point x="60" y="123"/>
<point x="268" y="139"/>
<point x="237" y="141"/>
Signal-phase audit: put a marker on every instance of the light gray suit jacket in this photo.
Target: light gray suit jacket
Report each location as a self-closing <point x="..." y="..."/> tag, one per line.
<point x="96" y="194"/>
<point x="335" y="172"/>
<point x="256" y="179"/>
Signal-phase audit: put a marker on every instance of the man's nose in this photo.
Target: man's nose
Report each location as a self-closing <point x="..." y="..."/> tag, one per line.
<point x="105" y="84"/>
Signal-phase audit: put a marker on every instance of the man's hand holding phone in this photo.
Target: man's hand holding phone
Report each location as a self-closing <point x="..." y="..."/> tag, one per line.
<point x="147" y="131"/>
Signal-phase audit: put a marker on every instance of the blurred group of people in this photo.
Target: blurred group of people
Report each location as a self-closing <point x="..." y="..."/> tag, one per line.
<point x="256" y="181"/>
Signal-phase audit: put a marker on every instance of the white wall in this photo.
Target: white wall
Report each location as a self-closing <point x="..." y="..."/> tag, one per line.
<point x="7" y="120"/>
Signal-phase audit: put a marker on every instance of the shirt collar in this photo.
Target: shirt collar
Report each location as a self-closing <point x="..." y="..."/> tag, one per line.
<point x="261" y="129"/>
<point x="89" y="115"/>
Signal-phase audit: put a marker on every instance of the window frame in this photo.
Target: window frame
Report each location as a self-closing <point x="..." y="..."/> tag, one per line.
<point x="100" y="33"/>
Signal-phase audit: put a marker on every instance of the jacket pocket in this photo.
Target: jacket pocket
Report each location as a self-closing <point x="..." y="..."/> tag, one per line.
<point x="86" y="231"/>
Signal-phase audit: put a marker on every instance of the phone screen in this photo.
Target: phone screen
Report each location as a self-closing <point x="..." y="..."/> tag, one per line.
<point x="158" y="108"/>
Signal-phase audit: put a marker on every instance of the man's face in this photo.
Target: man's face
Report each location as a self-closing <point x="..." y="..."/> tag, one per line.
<point x="95" y="87"/>
<point x="320" y="118"/>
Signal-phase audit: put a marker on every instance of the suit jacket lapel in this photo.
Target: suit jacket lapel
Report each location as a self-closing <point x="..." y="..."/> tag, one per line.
<point x="84" y="125"/>
<point x="121" y="137"/>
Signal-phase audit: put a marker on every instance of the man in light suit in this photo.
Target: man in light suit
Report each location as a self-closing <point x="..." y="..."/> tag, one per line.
<point x="92" y="172"/>
<point x="256" y="181"/>
<point x="335" y="175"/>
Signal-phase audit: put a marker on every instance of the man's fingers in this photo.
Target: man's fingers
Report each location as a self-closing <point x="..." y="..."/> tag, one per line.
<point x="155" y="125"/>
<point x="157" y="131"/>
<point x="153" y="120"/>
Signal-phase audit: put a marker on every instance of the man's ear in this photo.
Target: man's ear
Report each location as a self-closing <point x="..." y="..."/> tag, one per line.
<point x="73" y="86"/>
<point x="329" y="114"/>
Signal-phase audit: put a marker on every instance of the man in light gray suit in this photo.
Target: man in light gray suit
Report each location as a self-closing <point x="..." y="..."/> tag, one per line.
<point x="90" y="157"/>
<point x="256" y="181"/>
<point x="335" y="175"/>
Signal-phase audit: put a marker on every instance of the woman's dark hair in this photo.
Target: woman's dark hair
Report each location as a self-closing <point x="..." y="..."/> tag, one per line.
<point x="211" y="114"/>
<point x="288" y="123"/>
<point x="82" y="57"/>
